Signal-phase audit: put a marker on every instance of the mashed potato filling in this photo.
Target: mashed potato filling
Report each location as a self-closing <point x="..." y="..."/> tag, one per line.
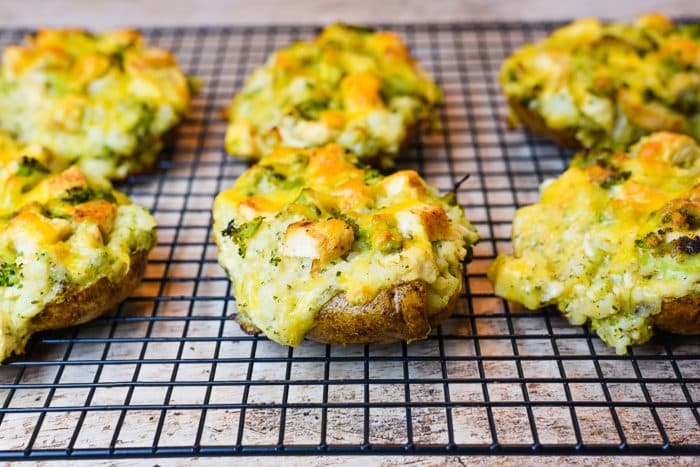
<point x="302" y="226"/>
<point x="611" y="239"/>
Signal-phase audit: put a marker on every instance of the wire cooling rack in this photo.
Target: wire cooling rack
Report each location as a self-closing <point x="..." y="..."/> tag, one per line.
<point x="169" y="374"/>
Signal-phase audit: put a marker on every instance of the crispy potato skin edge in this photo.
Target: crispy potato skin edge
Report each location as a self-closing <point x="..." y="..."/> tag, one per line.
<point x="679" y="315"/>
<point x="396" y="314"/>
<point x="91" y="302"/>
<point x="535" y="122"/>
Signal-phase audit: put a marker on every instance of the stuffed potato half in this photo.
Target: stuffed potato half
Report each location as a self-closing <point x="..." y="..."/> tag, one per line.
<point x="71" y="247"/>
<point x="595" y="84"/>
<point x="320" y="246"/>
<point x="104" y="101"/>
<point x="615" y="240"/>
<point x="351" y="86"/>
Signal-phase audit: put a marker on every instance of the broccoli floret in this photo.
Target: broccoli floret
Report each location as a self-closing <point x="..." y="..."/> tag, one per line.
<point x="311" y="109"/>
<point x="29" y="166"/>
<point x="79" y="195"/>
<point x="10" y="274"/>
<point x="240" y="234"/>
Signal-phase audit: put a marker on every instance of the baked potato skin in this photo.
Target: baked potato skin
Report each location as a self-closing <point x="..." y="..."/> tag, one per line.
<point x="93" y="301"/>
<point x="320" y="247"/>
<point x="399" y="313"/>
<point x="535" y="123"/>
<point x="679" y="316"/>
<point x="591" y="84"/>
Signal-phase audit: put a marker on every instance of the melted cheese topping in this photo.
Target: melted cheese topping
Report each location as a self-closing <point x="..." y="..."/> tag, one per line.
<point x="349" y="86"/>
<point x="58" y="235"/>
<point x="302" y="226"/>
<point x="610" y="239"/>
<point x="611" y="83"/>
<point x="102" y="100"/>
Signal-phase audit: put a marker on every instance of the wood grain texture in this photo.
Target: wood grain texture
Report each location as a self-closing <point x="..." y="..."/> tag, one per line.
<point x="414" y="461"/>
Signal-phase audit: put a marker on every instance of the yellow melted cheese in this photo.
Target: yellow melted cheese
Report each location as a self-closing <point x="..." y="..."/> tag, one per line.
<point x="611" y="83"/>
<point x="58" y="234"/>
<point x="103" y="101"/>
<point x="610" y="239"/>
<point x="349" y="86"/>
<point x="302" y="226"/>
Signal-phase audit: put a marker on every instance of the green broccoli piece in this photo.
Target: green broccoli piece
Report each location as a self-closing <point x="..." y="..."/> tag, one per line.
<point x="10" y="274"/>
<point x="240" y="234"/>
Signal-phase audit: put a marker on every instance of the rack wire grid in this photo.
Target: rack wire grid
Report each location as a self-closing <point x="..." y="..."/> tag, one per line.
<point x="170" y="374"/>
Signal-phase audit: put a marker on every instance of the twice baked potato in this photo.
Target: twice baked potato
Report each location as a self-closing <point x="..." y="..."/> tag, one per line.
<point x="103" y="101"/>
<point x="593" y="84"/>
<point x="615" y="241"/>
<point x="319" y="246"/>
<point x="351" y="86"/>
<point x="71" y="247"/>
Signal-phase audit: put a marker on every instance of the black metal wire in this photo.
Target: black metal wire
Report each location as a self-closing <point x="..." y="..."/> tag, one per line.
<point x="187" y="382"/>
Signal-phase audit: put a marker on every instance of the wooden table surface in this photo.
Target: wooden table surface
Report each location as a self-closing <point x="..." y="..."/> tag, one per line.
<point x="94" y="14"/>
<point x="99" y="14"/>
